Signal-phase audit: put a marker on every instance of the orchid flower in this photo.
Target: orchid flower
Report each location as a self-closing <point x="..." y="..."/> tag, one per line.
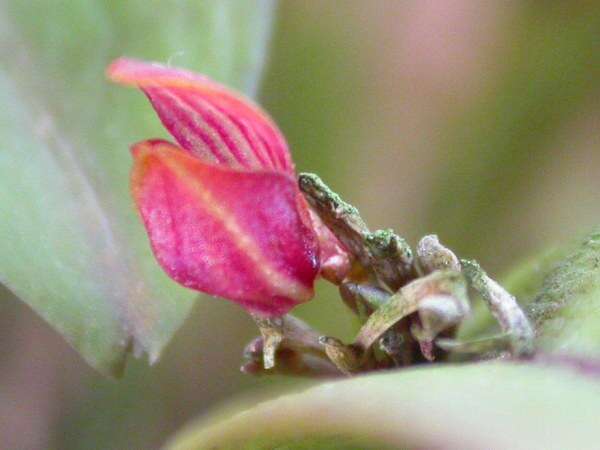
<point x="222" y="209"/>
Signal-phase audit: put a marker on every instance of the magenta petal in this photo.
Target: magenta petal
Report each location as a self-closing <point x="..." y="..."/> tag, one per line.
<point x="210" y="121"/>
<point x="237" y="235"/>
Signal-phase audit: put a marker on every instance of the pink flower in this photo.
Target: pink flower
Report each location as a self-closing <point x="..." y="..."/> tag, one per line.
<point x="222" y="210"/>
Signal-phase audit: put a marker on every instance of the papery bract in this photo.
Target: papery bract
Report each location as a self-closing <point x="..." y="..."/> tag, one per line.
<point x="223" y="211"/>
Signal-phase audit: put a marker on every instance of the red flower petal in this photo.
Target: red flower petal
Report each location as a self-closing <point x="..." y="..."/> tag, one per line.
<point x="233" y="234"/>
<point x="208" y="120"/>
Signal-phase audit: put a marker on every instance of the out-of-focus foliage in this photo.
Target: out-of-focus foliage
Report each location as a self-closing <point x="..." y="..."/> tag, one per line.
<point x="71" y="244"/>
<point x="507" y="140"/>
<point x="491" y="405"/>
<point x="566" y="311"/>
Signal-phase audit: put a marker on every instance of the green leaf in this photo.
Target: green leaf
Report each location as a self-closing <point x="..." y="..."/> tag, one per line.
<point x="71" y="245"/>
<point x="566" y="312"/>
<point x="492" y="405"/>
<point x="560" y="290"/>
<point x="501" y="144"/>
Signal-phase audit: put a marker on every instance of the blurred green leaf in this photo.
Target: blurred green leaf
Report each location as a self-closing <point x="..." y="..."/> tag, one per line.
<point x="491" y="405"/>
<point x="317" y="65"/>
<point x="560" y="289"/>
<point x="323" y="442"/>
<point x="71" y="244"/>
<point x="502" y="143"/>
<point x="567" y="309"/>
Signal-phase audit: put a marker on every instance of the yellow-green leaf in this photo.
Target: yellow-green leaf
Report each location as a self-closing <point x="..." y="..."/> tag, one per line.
<point x="492" y="405"/>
